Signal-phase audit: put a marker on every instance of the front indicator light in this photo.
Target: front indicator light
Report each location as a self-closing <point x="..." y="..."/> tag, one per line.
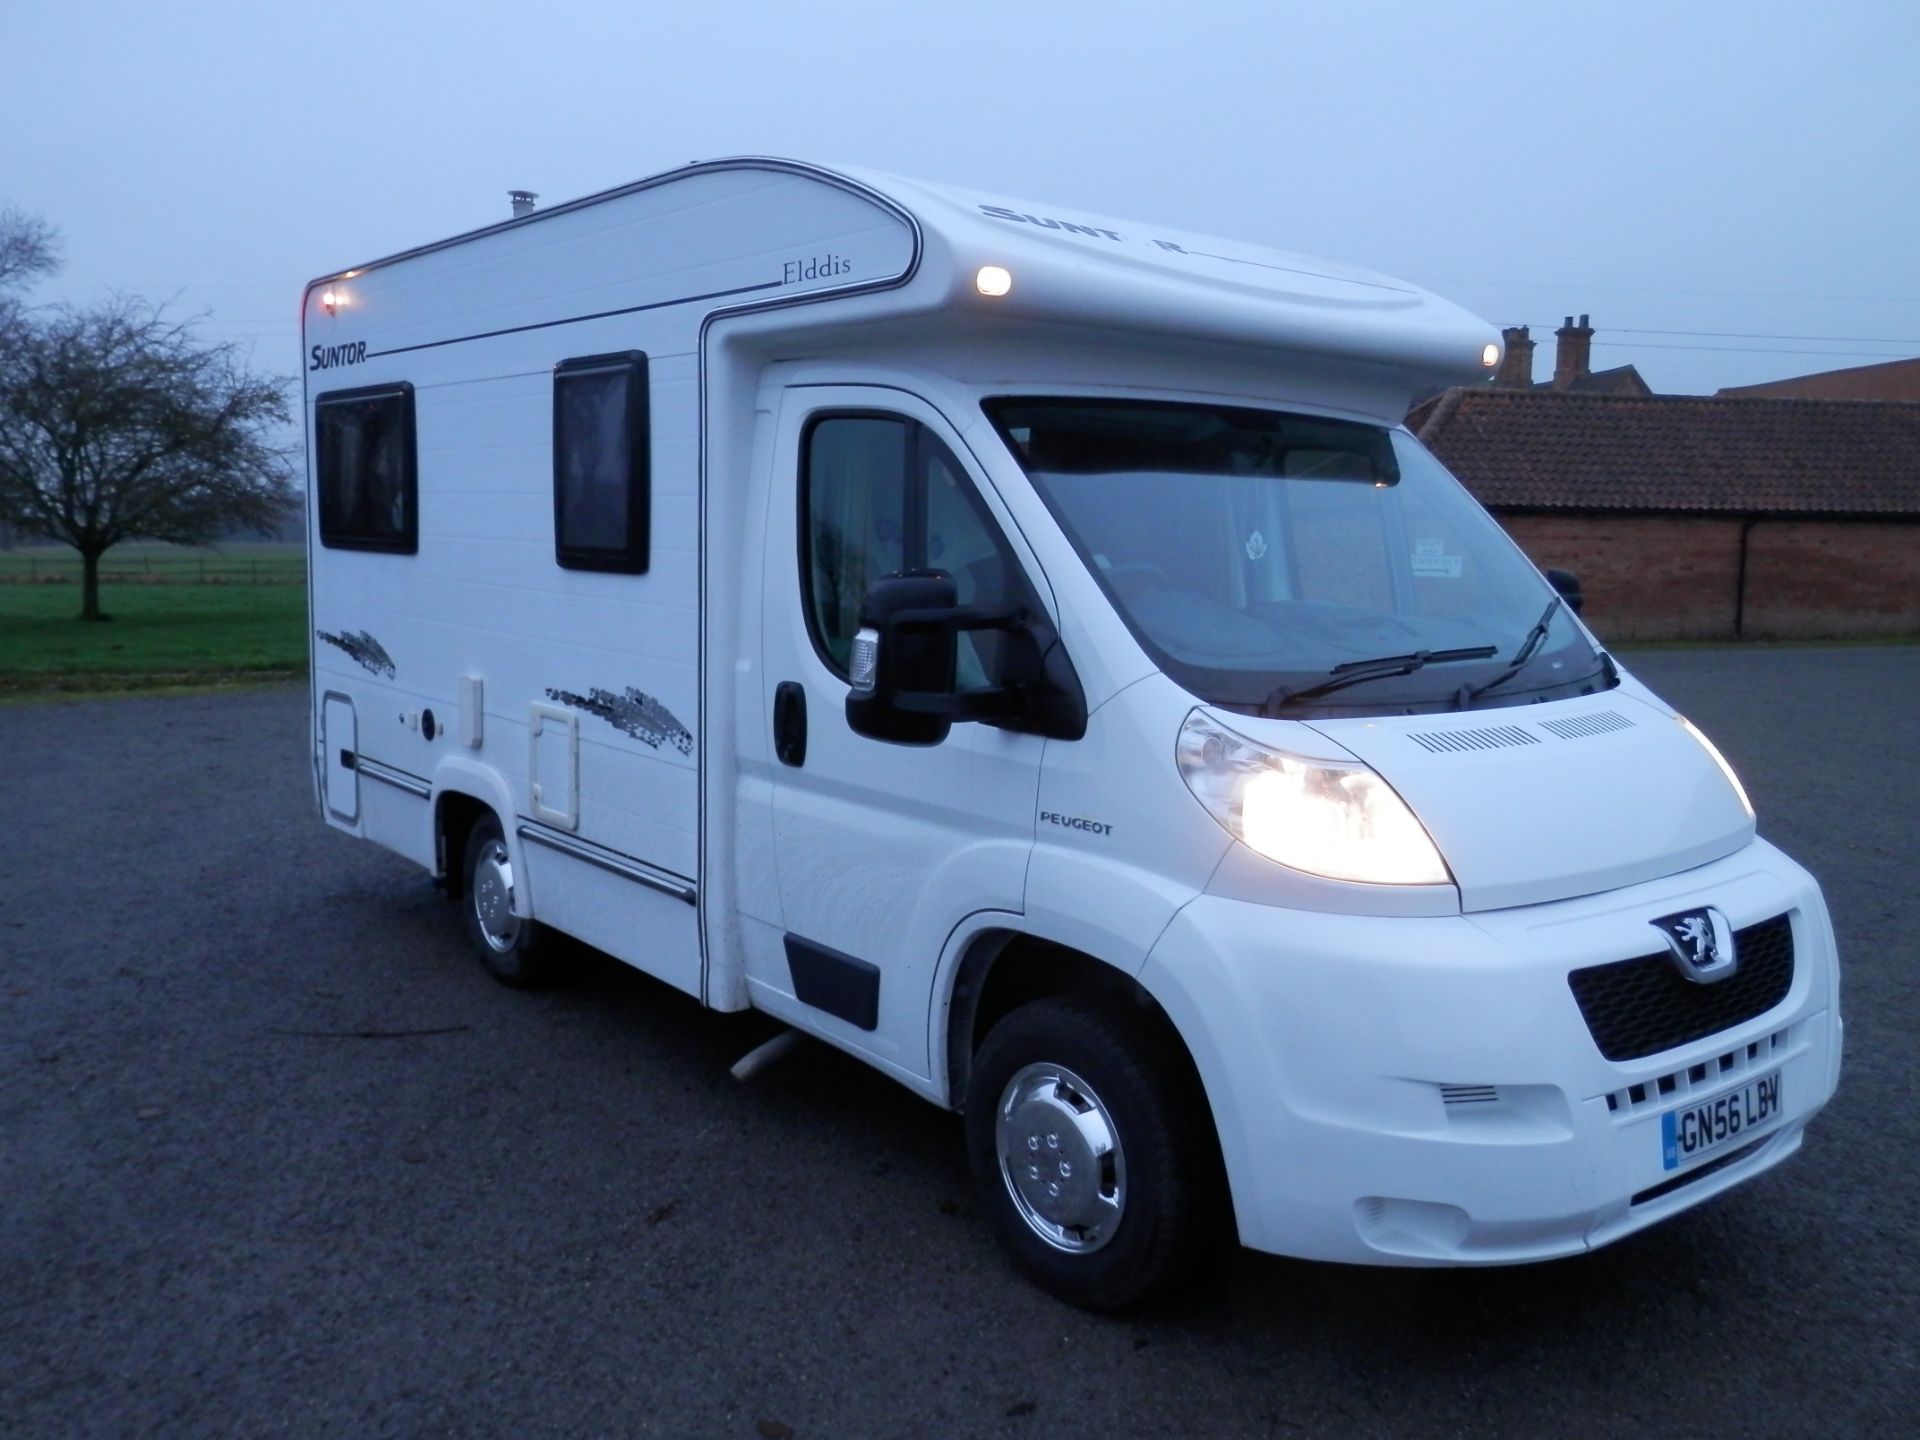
<point x="1720" y="760"/>
<point x="1333" y="818"/>
<point x="864" y="663"/>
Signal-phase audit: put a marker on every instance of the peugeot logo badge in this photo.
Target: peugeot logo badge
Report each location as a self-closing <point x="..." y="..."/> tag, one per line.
<point x="1700" y="943"/>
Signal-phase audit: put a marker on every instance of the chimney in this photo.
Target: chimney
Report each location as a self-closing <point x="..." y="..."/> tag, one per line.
<point x="1516" y="361"/>
<point x="522" y="202"/>
<point x="1572" y="355"/>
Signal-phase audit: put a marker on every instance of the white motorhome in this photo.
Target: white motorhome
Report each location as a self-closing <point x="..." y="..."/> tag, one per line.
<point x="1021" y="648"/>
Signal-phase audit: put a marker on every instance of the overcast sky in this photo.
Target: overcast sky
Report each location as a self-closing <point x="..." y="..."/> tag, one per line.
<point x="1741" y="169"/>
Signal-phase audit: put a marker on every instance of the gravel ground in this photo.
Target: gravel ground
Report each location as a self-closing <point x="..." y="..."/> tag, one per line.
<point x="226" y="1211"/>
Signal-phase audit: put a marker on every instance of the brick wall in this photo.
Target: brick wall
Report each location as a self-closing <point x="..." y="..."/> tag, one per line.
<point x="1832" y="577"/>
<point x="1662" y="578"/>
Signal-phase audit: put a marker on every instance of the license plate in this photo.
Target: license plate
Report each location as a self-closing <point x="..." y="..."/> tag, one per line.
<point x="1696" y="1131"/>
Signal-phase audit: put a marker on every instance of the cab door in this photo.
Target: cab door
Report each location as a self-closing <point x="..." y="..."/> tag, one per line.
<point x="882" y="849"/>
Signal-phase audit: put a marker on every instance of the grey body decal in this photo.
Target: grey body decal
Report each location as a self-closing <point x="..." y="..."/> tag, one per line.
<point x="635" y="712"/>
<point x="362" y="649"/>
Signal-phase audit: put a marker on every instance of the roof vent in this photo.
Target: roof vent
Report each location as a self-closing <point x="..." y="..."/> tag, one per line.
<point x="522" y="202"/>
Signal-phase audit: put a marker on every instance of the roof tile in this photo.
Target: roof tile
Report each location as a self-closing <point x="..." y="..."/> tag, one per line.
<point x="1889" y="380"/>
<point x="1538" y="449"/>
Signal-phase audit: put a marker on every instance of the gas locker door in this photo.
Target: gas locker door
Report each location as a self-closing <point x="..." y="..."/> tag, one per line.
<point x="882" y="849"/>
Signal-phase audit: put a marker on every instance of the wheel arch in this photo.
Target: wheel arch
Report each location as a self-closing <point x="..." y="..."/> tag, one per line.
<point x="462" y="794"/>
<point x="1003" y="968"/>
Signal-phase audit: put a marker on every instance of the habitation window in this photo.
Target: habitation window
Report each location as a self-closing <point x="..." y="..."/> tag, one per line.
<point x="879" y="495"/>
<point x="365" y="466"/>
<point x="600" y="476"/>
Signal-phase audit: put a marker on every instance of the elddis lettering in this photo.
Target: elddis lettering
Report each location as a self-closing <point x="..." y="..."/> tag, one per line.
<point x="1076" y="822"/>
<point x="325" y="357"/>
<point x="816" y="267"/>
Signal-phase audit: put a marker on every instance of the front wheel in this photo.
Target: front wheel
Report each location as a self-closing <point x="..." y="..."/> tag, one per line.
<point x="1088" y="1152"/>
<point x="516" y="950"/>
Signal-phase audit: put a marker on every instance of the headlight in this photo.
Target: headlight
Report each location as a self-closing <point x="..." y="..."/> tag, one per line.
<point x="1326" y="817"/>
<point x="1720" y="760"/>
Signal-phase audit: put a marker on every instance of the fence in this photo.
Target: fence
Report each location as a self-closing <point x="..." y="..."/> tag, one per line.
<point x="258" y="565"/>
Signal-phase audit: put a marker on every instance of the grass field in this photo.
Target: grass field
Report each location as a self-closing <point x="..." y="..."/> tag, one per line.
<point x="180" y="618"/>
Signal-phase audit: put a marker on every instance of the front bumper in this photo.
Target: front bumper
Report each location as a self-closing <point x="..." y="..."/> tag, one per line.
<point x="1425" y="1091"/>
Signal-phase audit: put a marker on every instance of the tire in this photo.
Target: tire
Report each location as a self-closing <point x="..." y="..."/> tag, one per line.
<point x="516" y="951"/>
<point x="1089" y="1150"/>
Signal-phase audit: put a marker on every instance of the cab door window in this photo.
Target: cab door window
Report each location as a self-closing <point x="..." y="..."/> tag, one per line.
<point x="881" y="494"/>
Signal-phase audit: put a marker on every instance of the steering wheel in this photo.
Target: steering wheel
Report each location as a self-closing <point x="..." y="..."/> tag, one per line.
<point x="1136" y="577"/>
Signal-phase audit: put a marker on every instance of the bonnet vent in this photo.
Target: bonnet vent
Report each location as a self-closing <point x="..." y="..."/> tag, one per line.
<point x="1490" y="737"/>
<point x="1581" y="726"/>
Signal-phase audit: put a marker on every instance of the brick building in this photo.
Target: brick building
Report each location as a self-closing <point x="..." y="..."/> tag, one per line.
<point x="1572" y="364"/>
<point x="1701" y="517"/>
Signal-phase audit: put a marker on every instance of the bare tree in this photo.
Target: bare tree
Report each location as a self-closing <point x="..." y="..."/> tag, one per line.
<point x="29" y="248"/>
<point x="117" y="423"/>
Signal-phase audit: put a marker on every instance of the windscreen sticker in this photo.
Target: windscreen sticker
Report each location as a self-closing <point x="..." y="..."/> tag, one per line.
<point x="362" y="649"/>
<point x="1432" y="562"/>
<point x="635" y="713"/>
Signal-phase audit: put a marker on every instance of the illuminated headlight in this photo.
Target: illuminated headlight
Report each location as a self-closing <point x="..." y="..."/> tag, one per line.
<point x="1326" y="817"/>
<point x="1720" y="760"/>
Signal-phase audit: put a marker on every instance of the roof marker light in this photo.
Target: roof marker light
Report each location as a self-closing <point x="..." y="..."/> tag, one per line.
<point x="993" y="280"/>
<point x="1490" y="356"/>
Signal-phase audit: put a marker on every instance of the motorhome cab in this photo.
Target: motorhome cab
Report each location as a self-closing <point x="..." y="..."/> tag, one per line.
<point x="1022" y="649"/>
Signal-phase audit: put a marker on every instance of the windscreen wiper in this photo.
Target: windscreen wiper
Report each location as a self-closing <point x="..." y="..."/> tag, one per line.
<point x="1535" y="638"/>
<point x="1355" y="671"/>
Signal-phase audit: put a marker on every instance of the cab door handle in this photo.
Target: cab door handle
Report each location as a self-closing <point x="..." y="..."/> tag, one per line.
<point x="790" y="723"/>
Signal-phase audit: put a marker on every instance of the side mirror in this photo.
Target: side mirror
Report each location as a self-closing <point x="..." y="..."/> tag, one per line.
<point x="894" y="658"/>
<point x="902" y="678"/>
<point x="1568" y="584"/>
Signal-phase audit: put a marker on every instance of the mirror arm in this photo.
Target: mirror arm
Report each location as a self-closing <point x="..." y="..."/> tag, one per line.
<point x="962" y="617"/>
<point x="990" y="702"/>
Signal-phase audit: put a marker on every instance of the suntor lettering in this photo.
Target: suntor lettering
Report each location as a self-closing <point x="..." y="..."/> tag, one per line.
<point x="1076" y="822"/>
<point x="1046" y="222"/>
<point x="325" y="357"/>
<point x="816" y="267"/>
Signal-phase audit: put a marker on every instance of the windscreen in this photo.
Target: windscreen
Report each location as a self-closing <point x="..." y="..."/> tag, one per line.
<point x="1258" y="555"/>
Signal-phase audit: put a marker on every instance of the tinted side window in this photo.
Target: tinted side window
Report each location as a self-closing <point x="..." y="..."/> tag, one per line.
<point x="880" y="494"/>
<point x="600" y="453"/>
<point x="364" y="460"/>
<point x="853" y="520"/>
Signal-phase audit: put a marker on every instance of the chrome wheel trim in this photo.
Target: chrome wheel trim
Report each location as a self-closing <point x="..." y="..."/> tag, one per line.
<point x="1060" y="1158"/>
<point x="492" y="895"/>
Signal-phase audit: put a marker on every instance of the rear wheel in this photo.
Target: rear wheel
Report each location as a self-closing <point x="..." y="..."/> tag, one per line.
<point x="1088" y="1151"/>
<point x="516" y="950"/>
